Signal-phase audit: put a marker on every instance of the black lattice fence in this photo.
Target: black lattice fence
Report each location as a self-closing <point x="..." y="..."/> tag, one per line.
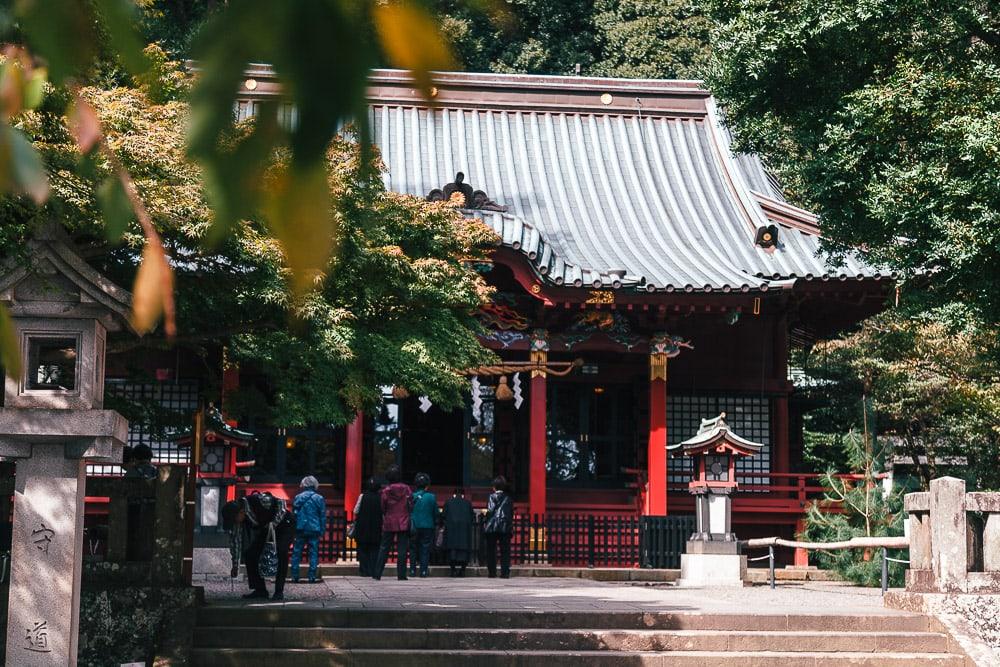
<point x="662" y="539"/>
<point x="570" y="540"/>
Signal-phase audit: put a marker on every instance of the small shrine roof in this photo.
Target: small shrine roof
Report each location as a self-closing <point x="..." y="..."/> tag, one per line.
<point x="216" y="424"/>
<point x="714" y="432"/>
<point x="57" y="282"/>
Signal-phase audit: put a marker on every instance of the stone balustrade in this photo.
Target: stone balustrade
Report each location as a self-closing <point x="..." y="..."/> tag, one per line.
<point x="954" y="539"/>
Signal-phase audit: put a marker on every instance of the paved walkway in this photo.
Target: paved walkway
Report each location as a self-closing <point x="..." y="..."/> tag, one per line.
<point x="540" y="594"/>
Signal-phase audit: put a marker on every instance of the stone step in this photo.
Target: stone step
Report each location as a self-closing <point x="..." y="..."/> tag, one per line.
<point x="290" y="616"/>
<point x="382" y="658"/>
<point x="459" y="639"/>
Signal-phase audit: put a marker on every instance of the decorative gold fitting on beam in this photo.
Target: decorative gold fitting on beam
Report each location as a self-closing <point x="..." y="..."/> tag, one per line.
<point x="539" y="359"/>
<point x="658" y="366"/>
<point x="539" y="354"/>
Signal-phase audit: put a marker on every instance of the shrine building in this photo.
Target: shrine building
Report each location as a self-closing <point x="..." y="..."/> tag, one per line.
<point x="647" y="278"/>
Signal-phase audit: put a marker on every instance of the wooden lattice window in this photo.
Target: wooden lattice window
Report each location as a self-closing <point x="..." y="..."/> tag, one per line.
<point x="748" y="416"/>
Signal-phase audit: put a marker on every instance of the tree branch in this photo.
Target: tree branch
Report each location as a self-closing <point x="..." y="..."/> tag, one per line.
<point x="160" y="343"/>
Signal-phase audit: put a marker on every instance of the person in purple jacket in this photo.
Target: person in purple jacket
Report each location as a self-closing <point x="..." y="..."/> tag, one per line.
<point x="395" y="523"/>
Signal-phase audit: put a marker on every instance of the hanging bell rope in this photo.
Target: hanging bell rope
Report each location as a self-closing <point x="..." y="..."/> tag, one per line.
<point x="556" y="368"/>
<point x="503" y="392"/>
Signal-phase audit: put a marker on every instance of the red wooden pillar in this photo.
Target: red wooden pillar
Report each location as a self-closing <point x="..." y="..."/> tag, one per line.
<point x="352" y="462"/>
<point x="656" y="455"/>
<point x="782" y="446"/>
<point x="781" y="455"/>
<point x="537" y="436"/>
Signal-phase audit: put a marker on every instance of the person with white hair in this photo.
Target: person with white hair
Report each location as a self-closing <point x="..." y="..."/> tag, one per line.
<point x="310" y="524"/>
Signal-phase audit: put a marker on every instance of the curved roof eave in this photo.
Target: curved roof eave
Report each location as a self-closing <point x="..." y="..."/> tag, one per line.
<point x="552" y="269"/>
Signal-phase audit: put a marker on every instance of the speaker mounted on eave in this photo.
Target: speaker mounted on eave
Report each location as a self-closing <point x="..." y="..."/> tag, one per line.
<point x="766" y="237"/>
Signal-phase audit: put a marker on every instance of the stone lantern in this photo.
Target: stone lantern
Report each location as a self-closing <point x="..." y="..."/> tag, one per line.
<point x="52" y="424"/>
<point x="712" y="556"/>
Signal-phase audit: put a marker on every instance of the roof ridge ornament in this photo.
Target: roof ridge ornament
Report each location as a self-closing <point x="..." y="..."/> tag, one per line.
<point x="462" y="193"/>
<point x="713" y="422"/>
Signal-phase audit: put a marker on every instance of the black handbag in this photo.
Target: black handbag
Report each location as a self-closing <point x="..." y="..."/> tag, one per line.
<point x="439" y="538"/>
<point x="267" y="565"/>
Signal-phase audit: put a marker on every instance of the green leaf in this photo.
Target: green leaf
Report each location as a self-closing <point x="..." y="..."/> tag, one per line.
<point x="120" y="19"/>
<point x="60" y="31"/>
<point x="116" y="208"/>
<point x="299" y="211"/>
<point x="34" y="88"/>
<point x="10" y="353"/>
<point x="21" y="167"/>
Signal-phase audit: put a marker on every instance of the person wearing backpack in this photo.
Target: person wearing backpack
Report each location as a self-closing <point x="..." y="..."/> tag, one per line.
<point x="423" y="519"/>
<point x="310" y="524"/>
<point x="498" y="529"/>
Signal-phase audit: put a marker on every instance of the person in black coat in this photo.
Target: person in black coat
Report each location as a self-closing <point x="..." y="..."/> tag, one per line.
<point x="459" y="520"/>
<point x="258" y="514"/>
<point x="499" y="528"/>
<point x="368" y="527"/>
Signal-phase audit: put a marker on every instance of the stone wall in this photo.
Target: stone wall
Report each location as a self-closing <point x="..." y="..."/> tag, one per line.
<point x="134" y="624"/>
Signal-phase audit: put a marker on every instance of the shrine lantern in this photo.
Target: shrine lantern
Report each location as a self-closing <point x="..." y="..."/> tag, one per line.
<point x="715" y="449"/>
<point x="219" y="469"/>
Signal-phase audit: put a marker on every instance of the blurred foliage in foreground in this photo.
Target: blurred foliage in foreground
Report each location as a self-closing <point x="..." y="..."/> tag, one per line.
<point x="275" y="172"/>
<point x="393" y="306"/>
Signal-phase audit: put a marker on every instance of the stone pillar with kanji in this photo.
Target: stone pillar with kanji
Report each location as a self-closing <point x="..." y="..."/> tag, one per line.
<point x="52" y="424"/>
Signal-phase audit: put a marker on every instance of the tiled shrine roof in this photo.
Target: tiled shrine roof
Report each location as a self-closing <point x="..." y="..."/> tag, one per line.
<point x="606" y="182"/>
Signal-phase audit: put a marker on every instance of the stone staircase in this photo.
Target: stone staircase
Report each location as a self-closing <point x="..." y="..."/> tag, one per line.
<point x="266" y="636"/>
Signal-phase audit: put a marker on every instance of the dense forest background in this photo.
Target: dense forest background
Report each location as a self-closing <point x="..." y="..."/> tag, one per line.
<point x="658" y="39"/>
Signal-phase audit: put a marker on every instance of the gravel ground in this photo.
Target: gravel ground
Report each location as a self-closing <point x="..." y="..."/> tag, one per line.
<point x="563" y="595"/>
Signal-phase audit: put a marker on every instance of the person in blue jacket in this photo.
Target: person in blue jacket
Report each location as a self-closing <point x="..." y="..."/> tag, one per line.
<point x="310" y="524"/>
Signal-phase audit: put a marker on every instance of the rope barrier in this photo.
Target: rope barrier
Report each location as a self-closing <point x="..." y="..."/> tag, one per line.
<point x="883" y="543"/>
<point x="554" y="368"/>
<point x="900" y="542"/>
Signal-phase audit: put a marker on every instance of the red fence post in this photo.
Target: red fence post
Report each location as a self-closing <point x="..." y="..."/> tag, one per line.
<point x="801" y="557"/>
